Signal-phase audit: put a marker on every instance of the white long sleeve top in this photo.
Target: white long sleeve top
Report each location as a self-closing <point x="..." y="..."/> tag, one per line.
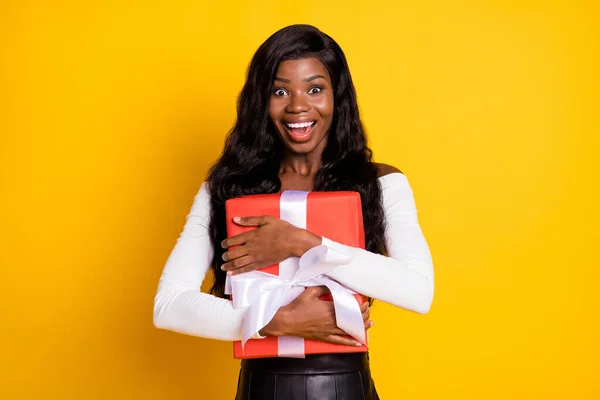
<point x="403" y="278"/>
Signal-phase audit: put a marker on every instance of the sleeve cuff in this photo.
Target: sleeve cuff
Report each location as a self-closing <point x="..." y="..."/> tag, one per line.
<point x="328" y="254"/>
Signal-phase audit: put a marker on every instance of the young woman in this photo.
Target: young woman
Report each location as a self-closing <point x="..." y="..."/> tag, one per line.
<point x="298" y="127"/>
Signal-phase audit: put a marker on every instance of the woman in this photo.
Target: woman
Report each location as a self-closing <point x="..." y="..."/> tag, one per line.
<point x="298" y="127"/>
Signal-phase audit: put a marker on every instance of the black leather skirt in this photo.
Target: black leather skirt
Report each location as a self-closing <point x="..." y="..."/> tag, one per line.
<point x="317" y="377"/>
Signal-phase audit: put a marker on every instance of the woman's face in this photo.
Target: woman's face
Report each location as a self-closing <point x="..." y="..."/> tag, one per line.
<point x="301" y="104"/>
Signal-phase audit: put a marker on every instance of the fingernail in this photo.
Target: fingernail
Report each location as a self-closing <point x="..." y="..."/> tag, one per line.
<point x="358" y="344"/>
<point x="223" y="267"/>
<point x="371" y="323"/>
<point x="236" y="219"/>
<point x="229" y="273"/>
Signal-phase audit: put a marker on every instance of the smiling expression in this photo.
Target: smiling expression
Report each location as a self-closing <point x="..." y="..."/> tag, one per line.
<point x="301" y="104"/>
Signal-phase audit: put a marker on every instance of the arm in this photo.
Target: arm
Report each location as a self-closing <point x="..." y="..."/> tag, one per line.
<point x="405" y="277"/>
<point x="179" y="305"/>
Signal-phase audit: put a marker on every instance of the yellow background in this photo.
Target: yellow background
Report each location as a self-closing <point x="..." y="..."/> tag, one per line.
<point x="111" y="113"/>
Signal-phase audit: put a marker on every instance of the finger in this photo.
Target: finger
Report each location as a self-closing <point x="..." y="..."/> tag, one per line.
<point x="236" y="240"/>
<point x="246" y="268"/>
<point x="336" y="331"/>
<point x="316" y="291"/>
<point x="337" y="339"/>
<point x="364" y="307"/>
<point x="366" y="315"/>
<point x="235" y="253"/>
<point x="237" y="263"/>
<point x="369" y="324"/>
<point x="251" y="221"/>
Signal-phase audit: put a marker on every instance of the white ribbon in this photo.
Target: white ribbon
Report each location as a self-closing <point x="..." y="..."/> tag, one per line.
<point x="263" y="293"/>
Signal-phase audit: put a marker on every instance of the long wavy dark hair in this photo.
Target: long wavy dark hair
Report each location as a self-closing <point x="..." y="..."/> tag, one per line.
<point x="253" y="151"/>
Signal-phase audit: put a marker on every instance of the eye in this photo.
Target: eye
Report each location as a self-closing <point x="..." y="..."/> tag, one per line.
<point x="315" y="90"/>
<point x="279" y="92"/>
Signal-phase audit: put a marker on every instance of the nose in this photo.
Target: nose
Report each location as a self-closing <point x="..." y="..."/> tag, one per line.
<point x="297" y="104"/>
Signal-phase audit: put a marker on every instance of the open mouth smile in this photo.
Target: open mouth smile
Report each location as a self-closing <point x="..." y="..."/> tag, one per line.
<point x="300" y="131"/>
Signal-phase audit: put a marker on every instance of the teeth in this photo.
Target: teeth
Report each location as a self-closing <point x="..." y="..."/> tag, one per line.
<point x="300" y="124"/>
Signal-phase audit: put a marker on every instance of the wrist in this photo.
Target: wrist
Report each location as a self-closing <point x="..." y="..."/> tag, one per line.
<point x="303" y="241"/>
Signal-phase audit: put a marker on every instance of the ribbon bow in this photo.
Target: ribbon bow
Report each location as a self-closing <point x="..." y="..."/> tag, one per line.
<point x="263" y="294"/>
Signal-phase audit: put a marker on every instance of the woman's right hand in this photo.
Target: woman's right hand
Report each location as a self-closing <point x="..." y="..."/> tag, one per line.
<point x="310" y="318"/>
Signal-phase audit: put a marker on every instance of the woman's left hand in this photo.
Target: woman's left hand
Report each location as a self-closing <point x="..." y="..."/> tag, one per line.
<point x="273" y="241"/>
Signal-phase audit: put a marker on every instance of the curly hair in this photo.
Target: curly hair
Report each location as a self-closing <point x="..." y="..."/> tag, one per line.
<point x="253" y="151"/>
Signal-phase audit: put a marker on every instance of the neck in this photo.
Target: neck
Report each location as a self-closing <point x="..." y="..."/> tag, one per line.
<point x="304" y="164"/>
<point x="300" y="164"/>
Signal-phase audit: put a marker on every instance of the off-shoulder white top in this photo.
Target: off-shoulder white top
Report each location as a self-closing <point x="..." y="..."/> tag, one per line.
<point x="404" y="278"/>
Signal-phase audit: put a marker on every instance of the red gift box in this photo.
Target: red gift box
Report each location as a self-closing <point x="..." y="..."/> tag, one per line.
<point x="335" y="215"/>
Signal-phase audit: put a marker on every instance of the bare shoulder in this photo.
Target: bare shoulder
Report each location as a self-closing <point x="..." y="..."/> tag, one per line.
<point x="386" y="169"/>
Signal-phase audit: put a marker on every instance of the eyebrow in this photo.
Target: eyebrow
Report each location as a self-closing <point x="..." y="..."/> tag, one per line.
<point x="309" y="79"/>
